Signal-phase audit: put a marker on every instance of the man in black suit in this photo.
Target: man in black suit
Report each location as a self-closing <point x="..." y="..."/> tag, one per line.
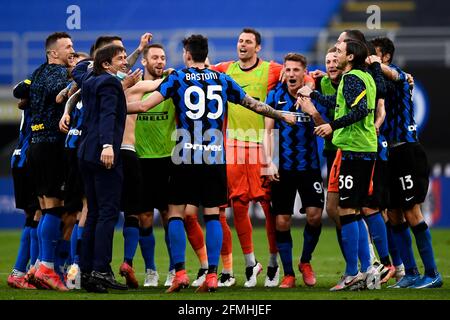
<point x="100" y="164"/>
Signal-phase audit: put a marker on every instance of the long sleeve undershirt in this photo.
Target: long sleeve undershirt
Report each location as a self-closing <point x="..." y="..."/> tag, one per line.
<point x="353" y="88"/>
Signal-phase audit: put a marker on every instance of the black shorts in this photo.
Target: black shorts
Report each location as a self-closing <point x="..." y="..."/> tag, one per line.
<point x="309" y="185"/>
<point x="380" y="195"/>
<point x="73" y="186"/>
<point x="409" y="175"/>
<point x="155" y="175"/>
<point x="198" y="185"/>
<point x="355" y="179"/>
<point x="131" y="203"/>
<point x="46" y="160"/>
<point x="24" y="194"/>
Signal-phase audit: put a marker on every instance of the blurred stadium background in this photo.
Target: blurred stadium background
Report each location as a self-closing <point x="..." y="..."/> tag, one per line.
<point x="419" y="28"/>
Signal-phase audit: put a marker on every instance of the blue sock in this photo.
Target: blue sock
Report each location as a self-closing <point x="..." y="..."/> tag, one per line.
<point x="350" y="237"/>
<point x="50" y="234"/>
<point x="34" y="245"/>
<point x="363" y="245"/>
<point x="147" y="244"/>
<point x="424" y="244"/>
<point x="167" y="241"/>
<point x="39" y="235"/>
<point x="76" y="258"/>
<point x="177" y="239"/>
<point x="403" y="242"/>
<point x="310" y="238"/>
<point x="339" y="238"/>
<point x="284" y="245"/>
<point x="73" y="243"/>
<point x="377" y="229"/>
<point x="131" y="238"/>
<point x="24" y="250"/>
<point x="62" y="254"/>
<point x="214" y="236"/>
<point x="395" y="255"/>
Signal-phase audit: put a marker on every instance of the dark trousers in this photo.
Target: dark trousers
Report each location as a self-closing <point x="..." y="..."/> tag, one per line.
<point x="103" y="189"/>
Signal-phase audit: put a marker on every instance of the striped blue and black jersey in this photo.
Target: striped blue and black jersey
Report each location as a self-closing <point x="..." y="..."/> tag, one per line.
<point x="19" y="156"/>
<point x="200" y="97"/>
<point x="383" y="152"/>
<point x="46" y="82"/>
<point x="399" y="125"/>
<point x="76" y="120"/>
<point x="297" y="144"/>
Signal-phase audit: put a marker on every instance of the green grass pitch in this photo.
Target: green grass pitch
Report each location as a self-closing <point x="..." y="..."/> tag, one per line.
<point x="327" y="262"/>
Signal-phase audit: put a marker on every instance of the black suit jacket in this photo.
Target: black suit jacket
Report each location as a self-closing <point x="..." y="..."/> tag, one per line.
<point x="105" y="113"/>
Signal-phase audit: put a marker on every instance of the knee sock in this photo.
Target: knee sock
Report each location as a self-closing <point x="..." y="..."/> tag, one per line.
<point x="196" y="238"/>
<point x="73" y="243"/>
<point x="131" y="238"/>
<point x="227" y="247"/>
<point x="403" y="242"/>
<point x="177" y="240"/>
<point x="243" y="226"/>
<point x="270" y="226"/>
<point x="284" y="245"/>
<point x="167" y="241"/>
<point x="50" y="234"/>
<point x="395" y="255"/>
<point x="363" y="244"/>
<point x="34" y="243"/>
<point x="23" y="255"/>
<point x="214" y="239"/>
<point x="377" y="229"/>
<point x="425" y="247"/>
<point x="147" y="244"/>
<point x="350" y="238"/>
<point x="311" y="236"/>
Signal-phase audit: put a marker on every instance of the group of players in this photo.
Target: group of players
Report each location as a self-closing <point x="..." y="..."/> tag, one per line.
<point x="173" y="155"/>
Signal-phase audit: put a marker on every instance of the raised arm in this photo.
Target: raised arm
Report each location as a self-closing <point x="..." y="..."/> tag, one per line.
<point x="145" y="39"/>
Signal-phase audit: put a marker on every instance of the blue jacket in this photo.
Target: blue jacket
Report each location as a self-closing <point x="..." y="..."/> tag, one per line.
<point x="105" y="114"/>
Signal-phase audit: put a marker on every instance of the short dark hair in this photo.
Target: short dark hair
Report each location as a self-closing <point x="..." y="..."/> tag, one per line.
<point x="385" y="44"/>
<point x="354" y="34"/>
<point x="332" y="49"/>
<point x="197" y="46"/>
<point x="253" y="31"/>
<point x="105" y="54"/>
<point x="359" y="51"/>
<point x="149" y="46"/>
<point x="292" y="56"/>
<point x="51" y="39"/>
<point x="81" y="54"/>
<point x="105" y="40"/>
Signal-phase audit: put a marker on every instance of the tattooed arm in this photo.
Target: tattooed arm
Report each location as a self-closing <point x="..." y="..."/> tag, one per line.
<point x="266" y="110"/>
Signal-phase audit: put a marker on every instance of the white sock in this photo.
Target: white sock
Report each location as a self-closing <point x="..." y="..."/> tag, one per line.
<point x="250" y="259"/>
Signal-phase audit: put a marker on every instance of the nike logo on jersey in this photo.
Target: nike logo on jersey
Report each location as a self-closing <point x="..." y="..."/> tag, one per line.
<point x="409" y="199"/>
<point x="281" y="102"/>
<point x="343" y="198"/>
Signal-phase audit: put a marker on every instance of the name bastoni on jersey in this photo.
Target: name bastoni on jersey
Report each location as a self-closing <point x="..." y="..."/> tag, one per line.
<point x="201" y="76"/>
